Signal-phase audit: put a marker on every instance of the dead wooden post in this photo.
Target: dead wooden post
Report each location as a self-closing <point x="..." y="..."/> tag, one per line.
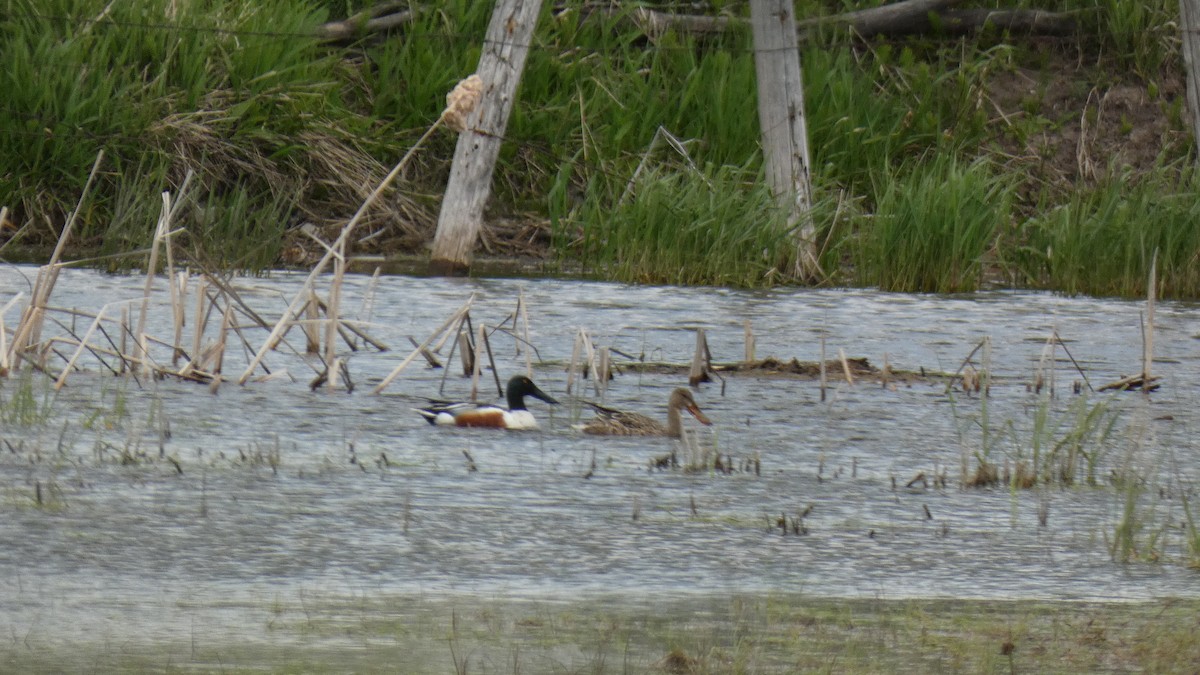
<point x="781" y="117"/>
<point x="505" y="47"/>
<point x="1189" y="24"/>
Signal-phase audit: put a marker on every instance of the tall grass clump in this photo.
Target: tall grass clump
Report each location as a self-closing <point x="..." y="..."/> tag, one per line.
<point x="21" y="402"/>
<point x="1102" y="241"/>
<point x="1063" y="447"/>
<point x="932" y="226"/>
<point x="716" y="226"/>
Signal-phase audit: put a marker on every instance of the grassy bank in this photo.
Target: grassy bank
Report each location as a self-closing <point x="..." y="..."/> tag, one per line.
<point x="745" y="634"/>
<point x="940" y="163"/>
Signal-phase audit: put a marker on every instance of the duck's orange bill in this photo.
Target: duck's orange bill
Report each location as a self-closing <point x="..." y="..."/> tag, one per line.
<point x="695" y="410"/>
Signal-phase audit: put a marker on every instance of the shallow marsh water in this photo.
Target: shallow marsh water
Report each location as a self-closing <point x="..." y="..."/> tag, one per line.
<point x="269" y="493"/>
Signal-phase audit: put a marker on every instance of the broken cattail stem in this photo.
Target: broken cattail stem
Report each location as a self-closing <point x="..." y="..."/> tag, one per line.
<point x="1148" y="335"/>
<point x="332" y="312"/>
<point x="823" y="374"/>
<point x="478" y="359"/>
<point x="62" y="378"/>
<point x="605" y="372"/>
<point x="845" y="366"/>
<point x="29" y="327"/>
<point x="700" y="363"/>
<point x="178" y="299"/>
<point x="748" y="330"/>
<point x="456" y="317"/>
<point x="574" y="360"/>
<point x="526" y="344"/>
<point x="124" y="336"/>
<point x="429" y="356"/>
<point x="290" y="313"/>
<point x="160" y="231"/>
<point x="312" y="332"/>
<point x="487" y="344"/>
<point x="199" y="324"/>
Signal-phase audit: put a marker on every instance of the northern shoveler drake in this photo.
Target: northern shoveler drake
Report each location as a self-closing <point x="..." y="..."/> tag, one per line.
<point x="610" y="422"/>
<point x="476" y="415"/>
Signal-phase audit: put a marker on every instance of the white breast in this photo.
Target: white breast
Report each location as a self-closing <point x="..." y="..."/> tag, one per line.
<point x="519" y="419"/>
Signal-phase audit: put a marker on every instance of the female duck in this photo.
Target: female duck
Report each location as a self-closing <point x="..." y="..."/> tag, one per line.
<point x="515" y="416"/>
<point x="610" y="422"/>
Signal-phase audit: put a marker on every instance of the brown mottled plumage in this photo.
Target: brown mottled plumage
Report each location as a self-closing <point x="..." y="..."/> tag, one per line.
<point x="610" y="422"/>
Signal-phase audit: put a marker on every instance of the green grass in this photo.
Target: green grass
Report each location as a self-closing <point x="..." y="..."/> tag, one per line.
<point x="737" y="634"/>
<point x="1103" y="240"/>
<point x="282" y="129"/>
<point x="932" y="226"/>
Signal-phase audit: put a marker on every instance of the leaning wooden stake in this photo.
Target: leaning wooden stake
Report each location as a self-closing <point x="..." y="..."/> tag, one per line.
<point x="500" y="66"/>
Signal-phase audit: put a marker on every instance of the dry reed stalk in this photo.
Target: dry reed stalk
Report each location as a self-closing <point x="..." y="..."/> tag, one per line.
<point x="845" y="366"/>
<point x="429" y="356"/>
<point x="178" y="300"/>
<point x="29" y="328"/>
<point x="332" y="310"/>
<point x="701" y="365"/>
<point x="886" y="373"/>
<point x="605" y="371"/>
<point x="458" y="333"/>
<point x="824" y="379"/>
<point x="200" y="320"/>
<point x="965" y="362"/>
<point x="487" y="345"/>
<point x="219" y="350"/>
<point x="124" y="338"/>
<point x="160" y="232"/>
<point x="312" y="333"/>
<point x="62" y="378"/>
<point x="987" y="366"/>
<point x="346" y="328"/>
<point x="366" y="310"/>
<point x="1148" y="335"/>
<point x="289" y="314"/>
<point x="457" y="316"/>
<point x="478" y="359"/>
<point x="524" y="343"/>
<point x="4" y="362"/>
<point x="1050" y="357"/>
<point x="578" y="346"/>
<point x="589" y="349"/>
<point x="748" y="331"/>
<point x="466" y="351"/>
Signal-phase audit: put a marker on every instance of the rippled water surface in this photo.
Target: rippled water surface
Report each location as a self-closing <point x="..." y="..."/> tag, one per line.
<point x="272" y="490"/>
